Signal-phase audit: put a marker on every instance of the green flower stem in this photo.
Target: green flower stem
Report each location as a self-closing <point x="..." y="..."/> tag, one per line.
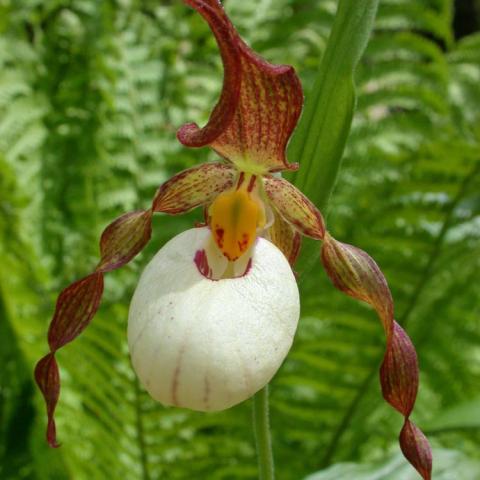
<point x="263" y="440"/>
<point x="320" y="138"/>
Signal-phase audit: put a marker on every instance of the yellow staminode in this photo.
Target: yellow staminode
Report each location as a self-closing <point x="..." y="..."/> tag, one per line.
<point x="235" y="216"/>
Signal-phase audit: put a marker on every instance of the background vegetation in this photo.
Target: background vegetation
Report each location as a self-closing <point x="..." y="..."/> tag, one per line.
<point x="91" y="94"/>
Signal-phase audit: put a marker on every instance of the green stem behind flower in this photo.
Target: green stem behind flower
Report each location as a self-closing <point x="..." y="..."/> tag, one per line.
<point x="320" y="138"/>
<point x="262" y="435"/>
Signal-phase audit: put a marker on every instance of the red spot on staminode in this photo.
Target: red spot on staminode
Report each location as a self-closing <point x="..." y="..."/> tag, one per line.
<point x="219" y="234"/>
<point x="243" y="243"/>
<point x="229" y="257"/>
<point x="241" y="177"/>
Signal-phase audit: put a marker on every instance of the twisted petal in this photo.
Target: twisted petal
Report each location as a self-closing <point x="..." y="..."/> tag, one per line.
<point x="399" y="372"/>
<point x="124" y="238"/>
<point x="78" y="303"/>
<point x="120" y="242"/>
<point x="48" y="380"/>
<point x="355" y="273"/>
<point x="76" y="306"/>
<point x="193" y="187"/>
<point x="259" y="106"/>
<point x="295" y="207"/>
<point x="416" y="448"/>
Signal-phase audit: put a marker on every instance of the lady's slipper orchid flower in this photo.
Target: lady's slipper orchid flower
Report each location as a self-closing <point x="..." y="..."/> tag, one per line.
<point x="208" y="345"/>
<point x="215" y="311"/>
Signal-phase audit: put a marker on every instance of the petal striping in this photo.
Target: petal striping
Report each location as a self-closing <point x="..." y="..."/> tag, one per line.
<point x="355" y="273"/>
<point x="269" y="106"/>
<point x="194" y="187"/>
<point x="261" y="103"/>
<point x="47" y="377"/>
<point x="77" y="304"/>
<point x="285" y="237"/>
<point x="295" y="207"/>
<point x="190" y="134"/>
<point x="124" y="238"/>
<point x="120" y="242"/>
<point x="416" y="449"/>
<point x="399" y="372"/>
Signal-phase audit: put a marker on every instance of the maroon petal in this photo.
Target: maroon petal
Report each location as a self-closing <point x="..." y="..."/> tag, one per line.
<point x="120" y="242"/>
<point x="355" y="273"/>
<point x="416" y="449"/>
<point x="124" y="238"/>
<point x="48" y="380"/>
<point x="399" y="372"/>
<point x="77" y="304"/>
<point x="190" y="134"/>
<point x="295" y="207"/>
<point x="259" y="106"/>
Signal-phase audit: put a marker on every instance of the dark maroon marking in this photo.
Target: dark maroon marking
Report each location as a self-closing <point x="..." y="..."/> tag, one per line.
<point x="251" y="185"/>
<point x="219" y="232"/>
<point x="242" y="244"/>
<point x="201" y="262"/>
<point x="241" y="178"/>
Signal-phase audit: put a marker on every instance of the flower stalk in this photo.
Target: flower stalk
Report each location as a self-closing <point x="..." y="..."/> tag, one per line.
<point x="263" y="442"/>
<point x="320" y="138"/>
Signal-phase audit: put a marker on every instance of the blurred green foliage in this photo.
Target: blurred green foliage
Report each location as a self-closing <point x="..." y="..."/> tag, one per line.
<point x="91" y="94"/>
